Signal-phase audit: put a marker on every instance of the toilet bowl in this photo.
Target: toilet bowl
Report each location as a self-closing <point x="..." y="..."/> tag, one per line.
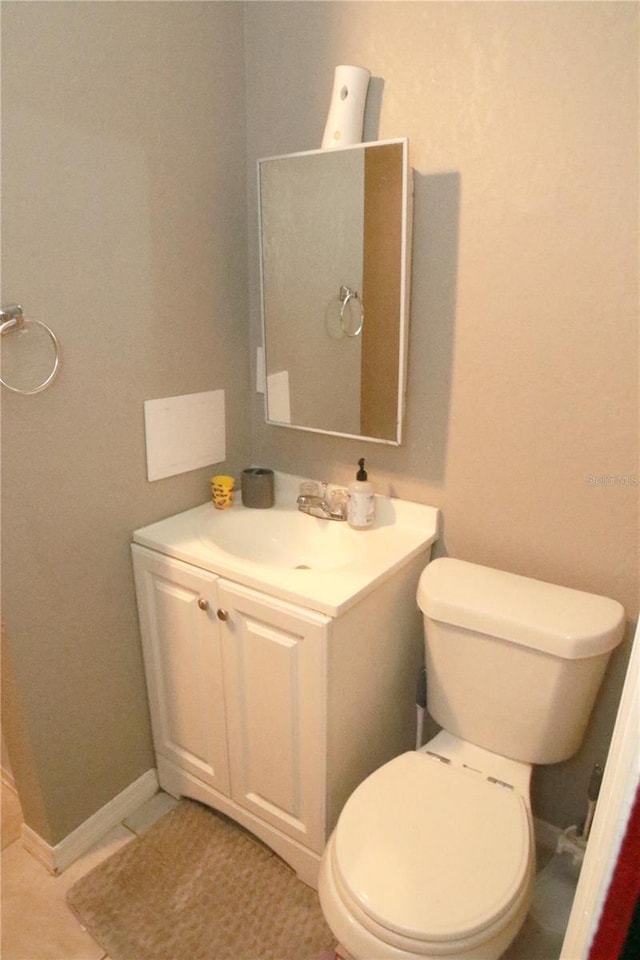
<point x="433" y="854"/>
<point x="432" y="857"/>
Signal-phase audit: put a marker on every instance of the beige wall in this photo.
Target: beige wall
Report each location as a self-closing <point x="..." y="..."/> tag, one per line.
<point x="124" y="228"/>
<point x="125" y="180"/>
<point x="523" y="365"/>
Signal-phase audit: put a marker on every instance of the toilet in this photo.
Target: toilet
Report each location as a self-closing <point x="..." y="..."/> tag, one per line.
<point x="433" y="854"/>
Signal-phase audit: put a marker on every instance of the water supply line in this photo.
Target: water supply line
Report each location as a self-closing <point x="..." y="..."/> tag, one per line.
<point x="573" y="840"/>
<point x="595" y="782"/>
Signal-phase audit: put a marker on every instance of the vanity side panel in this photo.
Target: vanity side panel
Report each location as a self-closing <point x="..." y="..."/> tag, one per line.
<point x="375" y="654"/>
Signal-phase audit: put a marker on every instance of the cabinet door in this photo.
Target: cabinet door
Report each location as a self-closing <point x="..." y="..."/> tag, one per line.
<point x="181" y="643"/>
<point x="274" y="658"/>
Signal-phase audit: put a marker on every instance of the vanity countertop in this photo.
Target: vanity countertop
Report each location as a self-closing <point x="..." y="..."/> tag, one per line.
<point x="320" y="564"/>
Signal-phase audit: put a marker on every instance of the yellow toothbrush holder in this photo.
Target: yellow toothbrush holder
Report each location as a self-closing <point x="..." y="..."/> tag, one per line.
<point x="222" y="492"/>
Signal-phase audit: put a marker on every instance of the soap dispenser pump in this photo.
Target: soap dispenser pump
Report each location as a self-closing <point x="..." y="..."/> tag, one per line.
<point x="362" y="505"/>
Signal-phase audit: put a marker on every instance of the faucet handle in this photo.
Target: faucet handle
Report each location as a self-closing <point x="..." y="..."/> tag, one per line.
<point x="338" y="498"/>
<point x="309" y="488"/>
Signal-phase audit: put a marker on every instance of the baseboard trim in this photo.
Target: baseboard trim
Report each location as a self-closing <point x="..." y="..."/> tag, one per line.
<point x="57" y="858"/>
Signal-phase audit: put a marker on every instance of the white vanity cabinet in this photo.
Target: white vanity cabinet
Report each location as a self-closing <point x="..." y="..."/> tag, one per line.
<point x="236" y="691"/>
<point x="183" y="664"/>
<point x="275" y="689"/>
<point x="273" y="657"/>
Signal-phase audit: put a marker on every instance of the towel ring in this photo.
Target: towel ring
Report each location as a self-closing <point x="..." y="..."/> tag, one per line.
<point x="345" y="296"/>
<point x="13" y="319"/>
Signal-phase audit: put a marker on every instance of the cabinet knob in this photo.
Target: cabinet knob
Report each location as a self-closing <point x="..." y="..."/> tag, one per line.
<point x="203" y="604"/>
<point x="222" y="614"/>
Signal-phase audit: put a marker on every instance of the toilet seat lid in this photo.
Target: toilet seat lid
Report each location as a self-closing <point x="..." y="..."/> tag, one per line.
<point x="432" y="851"/>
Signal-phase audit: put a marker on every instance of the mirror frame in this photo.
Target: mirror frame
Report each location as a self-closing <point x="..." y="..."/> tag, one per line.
<point x="405" y="269"/>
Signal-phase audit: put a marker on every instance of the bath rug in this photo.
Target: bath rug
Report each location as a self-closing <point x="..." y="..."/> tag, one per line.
<point x="196" y="886"/>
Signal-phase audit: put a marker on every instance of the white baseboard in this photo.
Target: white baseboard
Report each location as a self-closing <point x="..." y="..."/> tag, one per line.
<point x="58" y="858"/>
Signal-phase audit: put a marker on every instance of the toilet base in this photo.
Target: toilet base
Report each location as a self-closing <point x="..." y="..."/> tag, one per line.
<point x="340" y="953"/>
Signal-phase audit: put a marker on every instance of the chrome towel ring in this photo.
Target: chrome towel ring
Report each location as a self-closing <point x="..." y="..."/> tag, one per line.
<point x="12" y="318"/>
<point x="346" y="296"/>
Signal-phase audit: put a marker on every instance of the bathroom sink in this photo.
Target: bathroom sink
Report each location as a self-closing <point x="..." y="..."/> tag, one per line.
<point x="282" y="537"/>
<point x="322" y="564"/>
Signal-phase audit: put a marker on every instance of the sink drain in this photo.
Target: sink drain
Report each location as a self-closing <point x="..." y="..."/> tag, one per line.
<point x="302" y="566"/>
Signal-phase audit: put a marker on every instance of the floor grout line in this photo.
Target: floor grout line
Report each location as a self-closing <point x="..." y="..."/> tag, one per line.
<point x="54" y="930"/>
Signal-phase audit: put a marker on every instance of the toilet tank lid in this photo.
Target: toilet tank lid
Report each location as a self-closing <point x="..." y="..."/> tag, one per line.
<point x="557" y="620"/>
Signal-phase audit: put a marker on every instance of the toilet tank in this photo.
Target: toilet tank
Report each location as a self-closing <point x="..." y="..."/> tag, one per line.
<point x="513" y="664"/>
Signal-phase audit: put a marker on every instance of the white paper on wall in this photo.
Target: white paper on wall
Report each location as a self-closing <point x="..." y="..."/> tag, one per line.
<point x="279" y="402"/>
<point x="184" y="433"/>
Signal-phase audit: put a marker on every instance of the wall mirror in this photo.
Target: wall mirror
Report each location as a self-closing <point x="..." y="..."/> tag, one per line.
<point x="335" y="254"/>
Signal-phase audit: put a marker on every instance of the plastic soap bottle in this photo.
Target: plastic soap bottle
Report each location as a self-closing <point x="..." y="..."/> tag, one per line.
<point x="361" y="507"/>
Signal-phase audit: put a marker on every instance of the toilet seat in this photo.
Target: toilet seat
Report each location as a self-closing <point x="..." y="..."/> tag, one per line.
<point x="429" y="856"/>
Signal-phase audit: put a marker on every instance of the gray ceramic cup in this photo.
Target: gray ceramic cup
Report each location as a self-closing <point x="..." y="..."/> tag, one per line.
<point x="257" y="487"/>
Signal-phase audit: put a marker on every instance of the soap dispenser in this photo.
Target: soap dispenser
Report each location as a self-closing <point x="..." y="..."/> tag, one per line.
<point x="361" y="507"/>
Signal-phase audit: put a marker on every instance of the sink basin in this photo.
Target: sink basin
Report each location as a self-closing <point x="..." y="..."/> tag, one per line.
<point x="282" y="538"/>
<point x="322" y="564"/>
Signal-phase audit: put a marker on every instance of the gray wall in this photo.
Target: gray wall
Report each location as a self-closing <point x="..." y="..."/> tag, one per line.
<point x="523" y="357"/>
<point x="130" y="134"/>
<point x="124" y="228"/>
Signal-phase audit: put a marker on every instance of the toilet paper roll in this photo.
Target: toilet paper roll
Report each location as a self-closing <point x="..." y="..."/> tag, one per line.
<point x="257" y="487"/>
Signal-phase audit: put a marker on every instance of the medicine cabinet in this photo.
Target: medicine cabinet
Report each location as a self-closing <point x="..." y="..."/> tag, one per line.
<point x="335" y="231"/>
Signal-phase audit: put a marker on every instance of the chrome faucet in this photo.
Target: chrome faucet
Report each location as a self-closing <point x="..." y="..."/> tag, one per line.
<point x="321" y="502"/>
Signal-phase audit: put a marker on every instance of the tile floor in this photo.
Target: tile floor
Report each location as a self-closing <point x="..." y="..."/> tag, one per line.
<point x="37" y="924"/>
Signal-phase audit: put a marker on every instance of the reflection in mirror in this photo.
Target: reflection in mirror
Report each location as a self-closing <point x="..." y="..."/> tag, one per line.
<point x="334" y="232"/>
